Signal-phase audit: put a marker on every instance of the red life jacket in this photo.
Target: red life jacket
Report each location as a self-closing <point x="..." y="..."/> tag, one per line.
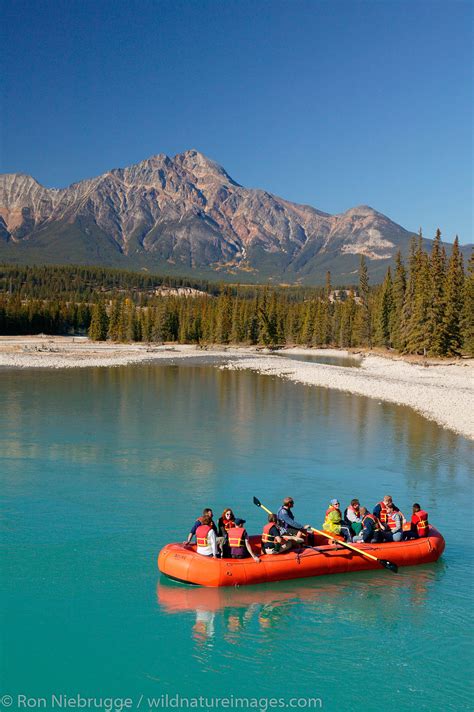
<point x="201" y="535"/>
<point x="421" y="520"/>
<point x="268" y="538"/>
<point x="333" y="509"/>
<point x="236" y="541"/>
<point x="374" y="519"/>
<point x="228" y="523"/>
<point x="392" y="524"/>
<point x="383" y="512"/>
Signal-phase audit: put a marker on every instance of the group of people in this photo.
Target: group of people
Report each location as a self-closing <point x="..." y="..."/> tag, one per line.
<point x="229" y="538"/>
<point x="385" y="523"/>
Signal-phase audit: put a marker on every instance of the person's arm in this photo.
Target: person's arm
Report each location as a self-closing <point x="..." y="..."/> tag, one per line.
<point x="399" y="520"/>
<point x="275" y="533"/>
<point x="249" y="549"/>
<point x="193" y="531"/>
<point x="376" y="511"/>
<point x="213" y="542"/>
<point x="284" y="517"/>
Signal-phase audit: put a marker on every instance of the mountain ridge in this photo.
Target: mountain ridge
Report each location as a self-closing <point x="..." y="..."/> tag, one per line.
<point x="187" y="214"/>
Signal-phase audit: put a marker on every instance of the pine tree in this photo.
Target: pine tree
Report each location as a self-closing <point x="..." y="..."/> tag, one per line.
<point x="467" y="324"/>
<point x="398" y="294"/>
<point x="224" y="317"/>
<point x="385" y="311"/>
<point x="362" y="325"/>
<point x="454" y="302"/>
<point x="418" y="336"/>
<point x="436" y="309"/>
<point x="99" y="323"/>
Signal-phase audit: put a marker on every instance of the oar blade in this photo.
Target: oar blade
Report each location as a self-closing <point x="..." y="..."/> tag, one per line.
<point x="257" y="502"/>
<point x="389" y="565"/>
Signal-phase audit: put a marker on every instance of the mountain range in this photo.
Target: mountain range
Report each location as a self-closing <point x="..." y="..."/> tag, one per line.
<point x="186" y="215"/>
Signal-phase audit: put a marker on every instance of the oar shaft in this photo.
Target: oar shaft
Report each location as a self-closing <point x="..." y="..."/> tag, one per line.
<point x="344" y="543"/>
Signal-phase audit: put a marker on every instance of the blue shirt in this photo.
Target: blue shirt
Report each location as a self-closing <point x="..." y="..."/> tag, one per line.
<point x="198" y="523"/>
<point x="287" y="520"/>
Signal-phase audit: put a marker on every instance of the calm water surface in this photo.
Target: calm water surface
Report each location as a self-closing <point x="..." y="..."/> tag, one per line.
<point x="346" y="361"/>
<point x="102" y="467"/>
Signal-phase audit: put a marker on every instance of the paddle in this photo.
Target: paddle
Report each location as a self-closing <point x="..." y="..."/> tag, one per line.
<point x="383" y="562"/>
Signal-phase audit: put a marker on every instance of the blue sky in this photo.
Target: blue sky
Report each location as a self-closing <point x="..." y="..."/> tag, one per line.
<point x="332" y="103"/>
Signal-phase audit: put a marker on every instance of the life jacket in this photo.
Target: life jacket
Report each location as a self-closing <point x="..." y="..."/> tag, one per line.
<point x="383" y="512"/>
<point x="228" y="523"/>
<point x="374" y="519"/>
<point x="391" y="521"/>
<point x="201" y="535"/>
<point x="268" y="538"/>
<point x="420" y="519"/>
<point x="331" y="526"/>
<point x="351" y="509"/>
<point x="236" y="542"/>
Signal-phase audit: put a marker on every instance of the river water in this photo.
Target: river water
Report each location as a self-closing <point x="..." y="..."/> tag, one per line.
<point x="101" y="467"/>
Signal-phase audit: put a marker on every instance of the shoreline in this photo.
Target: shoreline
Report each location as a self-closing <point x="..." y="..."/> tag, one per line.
<point x="443" y="392"/>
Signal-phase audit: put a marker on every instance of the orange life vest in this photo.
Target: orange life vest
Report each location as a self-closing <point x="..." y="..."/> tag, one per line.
<point x="383" y="512"/>
<point x="268" y="538"/>
<point x="236" y="536"/>
<point x="420" y="519"/>
<point x="228" y="523"/>
<point x="392" y="524"/>
<point x="201" y="535"/>
<point x="374" y="519"/>
<point x="333" y="509"/>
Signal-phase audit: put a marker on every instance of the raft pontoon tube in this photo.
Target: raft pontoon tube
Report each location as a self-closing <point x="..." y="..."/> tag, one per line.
<point x="182" y="563"/>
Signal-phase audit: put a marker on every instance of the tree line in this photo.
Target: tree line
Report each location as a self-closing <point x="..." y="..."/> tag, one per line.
<point x="423" y="307"/>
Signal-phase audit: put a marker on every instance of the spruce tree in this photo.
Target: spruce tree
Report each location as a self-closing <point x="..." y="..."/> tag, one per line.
<point x="398" y="295"/>
<point x="99" y="323"/>
<point x="385" y="311"/>
<point x="418" y="337"/>
<point x="467" y="325"/>
<point x="436" y="309"/>
<point x="362" y="325"/>
<point x="454" y="302"/>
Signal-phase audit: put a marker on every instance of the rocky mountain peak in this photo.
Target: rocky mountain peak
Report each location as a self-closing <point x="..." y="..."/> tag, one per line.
<point x="184" y="214"/>
<point x="201" y="167"/>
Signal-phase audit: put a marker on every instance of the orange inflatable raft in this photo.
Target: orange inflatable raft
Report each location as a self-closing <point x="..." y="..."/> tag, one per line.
<point x="182" y="563"/>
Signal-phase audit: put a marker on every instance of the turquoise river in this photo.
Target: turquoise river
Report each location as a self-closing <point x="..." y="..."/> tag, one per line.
<point x="101" y="467"/>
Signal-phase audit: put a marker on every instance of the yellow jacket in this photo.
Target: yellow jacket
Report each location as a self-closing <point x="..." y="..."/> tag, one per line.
<point x="332" y="523"/>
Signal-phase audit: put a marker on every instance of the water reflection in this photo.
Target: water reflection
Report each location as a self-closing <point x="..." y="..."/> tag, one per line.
<point x="366" y="599"/>
<point x="345" y="361"/>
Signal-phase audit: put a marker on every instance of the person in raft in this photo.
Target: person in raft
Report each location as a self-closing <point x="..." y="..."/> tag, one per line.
<point x="272" y="541"/>
<point x="207" y="512"/>
<point x="239" y="545"/>
<point x="352" y="518"/>
<point x="371" y="530"/>
<point x="380" y="510"/>
<point x="290" y="529"/>
<point x="419" y="522"/>
<point x="333" y="521"/>
<point x="206" y="539"/>
<point x="394" y="524"/>
<point x="226" y="521"/>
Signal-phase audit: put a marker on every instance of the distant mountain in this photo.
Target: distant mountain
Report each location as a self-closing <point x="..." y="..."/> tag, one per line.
<point x="186" y="214"/>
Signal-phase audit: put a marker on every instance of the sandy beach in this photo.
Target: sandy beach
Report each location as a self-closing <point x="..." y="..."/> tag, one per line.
<point x="443" y="392"/>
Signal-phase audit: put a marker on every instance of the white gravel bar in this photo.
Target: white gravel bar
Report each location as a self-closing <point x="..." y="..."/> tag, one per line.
<point x="443" y="392"/>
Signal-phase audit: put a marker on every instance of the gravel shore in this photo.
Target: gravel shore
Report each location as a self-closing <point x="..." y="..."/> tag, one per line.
<point x="441" y="392"/>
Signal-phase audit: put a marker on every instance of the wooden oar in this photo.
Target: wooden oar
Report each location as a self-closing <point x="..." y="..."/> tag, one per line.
<point x="383" y="562"/>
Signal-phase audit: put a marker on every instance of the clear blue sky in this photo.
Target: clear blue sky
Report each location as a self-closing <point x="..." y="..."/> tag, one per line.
<point x="331" y="103"/>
